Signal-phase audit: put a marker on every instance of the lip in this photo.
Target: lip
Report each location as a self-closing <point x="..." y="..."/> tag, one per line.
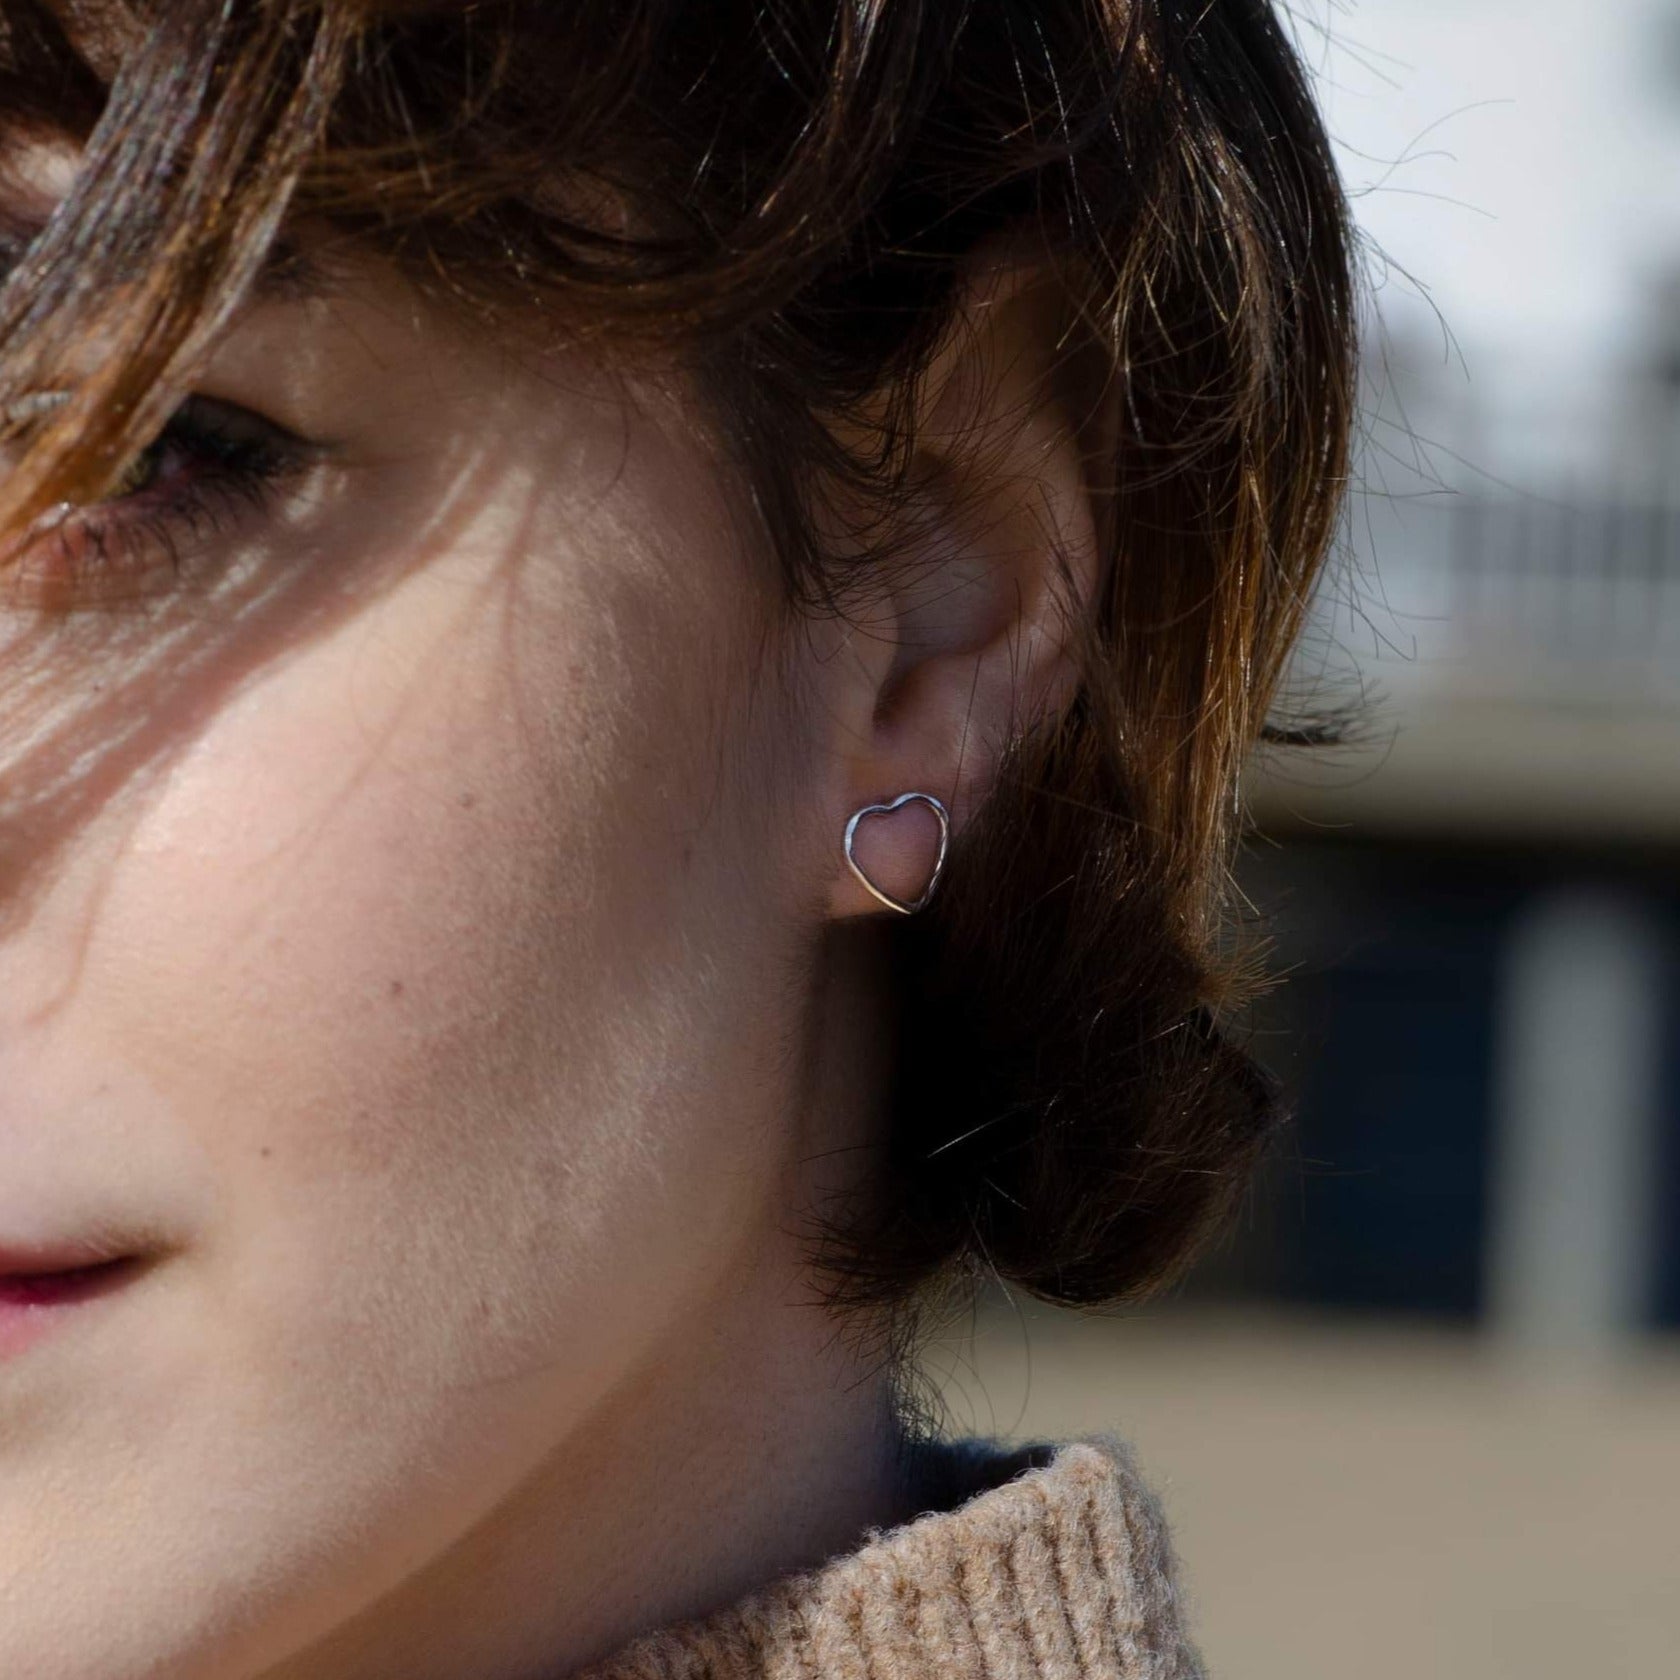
<point x="41" y="1290"/>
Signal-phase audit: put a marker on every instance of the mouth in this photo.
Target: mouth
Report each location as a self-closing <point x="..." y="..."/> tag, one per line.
<point x="35" y="1297"/>
<point x="49" y="1286"/>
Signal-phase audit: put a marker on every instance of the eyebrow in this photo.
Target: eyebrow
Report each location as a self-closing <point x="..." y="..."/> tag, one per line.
<point x="289" y="273"/>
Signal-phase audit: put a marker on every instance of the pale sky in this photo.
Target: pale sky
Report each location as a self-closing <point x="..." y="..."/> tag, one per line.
<point x="1520" y="158"/>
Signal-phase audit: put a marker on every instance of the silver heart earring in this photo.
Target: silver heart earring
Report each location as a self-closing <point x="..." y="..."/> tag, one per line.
<point x="887" y="899"/>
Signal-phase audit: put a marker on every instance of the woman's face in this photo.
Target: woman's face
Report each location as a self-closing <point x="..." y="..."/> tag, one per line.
<point x="410" y="856"/>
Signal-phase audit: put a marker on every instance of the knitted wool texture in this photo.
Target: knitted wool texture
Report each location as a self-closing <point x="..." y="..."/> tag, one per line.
<point x="1061" y="1573"/>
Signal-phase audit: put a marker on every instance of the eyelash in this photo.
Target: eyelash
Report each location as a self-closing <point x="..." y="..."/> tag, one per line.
<point x="226" y="460"/>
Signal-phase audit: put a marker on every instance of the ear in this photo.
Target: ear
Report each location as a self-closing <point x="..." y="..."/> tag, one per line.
<point x="973" y="633"/>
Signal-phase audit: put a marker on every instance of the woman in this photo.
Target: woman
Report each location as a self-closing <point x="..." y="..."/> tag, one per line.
<point x="628" y="632"/>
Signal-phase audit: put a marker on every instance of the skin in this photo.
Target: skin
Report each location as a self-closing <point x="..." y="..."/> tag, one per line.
<point x="424" y="935"/>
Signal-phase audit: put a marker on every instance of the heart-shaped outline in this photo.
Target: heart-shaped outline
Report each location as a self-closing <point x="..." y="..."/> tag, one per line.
<point x="887" y="899"/>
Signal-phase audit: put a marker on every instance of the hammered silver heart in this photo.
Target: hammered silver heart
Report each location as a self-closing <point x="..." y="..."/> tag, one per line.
<point x="944" y="816"/>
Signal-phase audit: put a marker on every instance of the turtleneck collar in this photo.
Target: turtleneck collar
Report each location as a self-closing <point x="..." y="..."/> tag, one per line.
<point x="1043" y="1564"/>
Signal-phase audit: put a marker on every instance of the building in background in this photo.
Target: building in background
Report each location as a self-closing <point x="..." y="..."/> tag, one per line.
<point x="1478" y="898"/>
<point x="1471" y="1469"/>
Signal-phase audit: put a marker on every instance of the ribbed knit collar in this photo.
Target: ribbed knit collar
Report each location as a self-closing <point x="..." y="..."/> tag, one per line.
<point x="1052" y="1564"/>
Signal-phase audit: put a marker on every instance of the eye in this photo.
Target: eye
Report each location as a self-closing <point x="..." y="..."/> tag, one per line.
<point x="213" y="462"/>
<point x="206" y="437"/>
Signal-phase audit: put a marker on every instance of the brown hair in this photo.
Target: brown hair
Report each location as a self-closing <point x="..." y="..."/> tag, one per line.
<point x="784" y="193"/>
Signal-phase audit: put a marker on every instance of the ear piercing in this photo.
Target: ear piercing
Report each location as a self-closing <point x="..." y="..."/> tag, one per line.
<point x="944" y="816"/>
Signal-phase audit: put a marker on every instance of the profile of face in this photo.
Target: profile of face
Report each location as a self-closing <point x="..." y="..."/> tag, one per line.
<point x="421" y="914"/>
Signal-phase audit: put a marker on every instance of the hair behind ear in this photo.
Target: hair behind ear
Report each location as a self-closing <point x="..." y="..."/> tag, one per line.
<point x="1067" y="1112"/>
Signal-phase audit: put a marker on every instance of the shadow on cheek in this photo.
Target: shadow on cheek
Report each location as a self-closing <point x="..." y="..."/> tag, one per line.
<point x="96" y="704"/>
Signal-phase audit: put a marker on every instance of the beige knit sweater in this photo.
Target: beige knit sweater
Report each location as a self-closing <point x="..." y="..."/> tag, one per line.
<point x="1051" y="1564"/>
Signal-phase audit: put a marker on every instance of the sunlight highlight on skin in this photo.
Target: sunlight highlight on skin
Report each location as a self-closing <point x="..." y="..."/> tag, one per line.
<point x="319" y="869"/>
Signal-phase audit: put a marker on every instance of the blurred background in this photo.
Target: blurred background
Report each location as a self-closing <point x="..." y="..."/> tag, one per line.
<point x="1421" y="1415"/>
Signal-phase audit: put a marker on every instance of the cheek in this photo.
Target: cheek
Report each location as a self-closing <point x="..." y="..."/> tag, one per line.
<point x="438" y="952"/>
<point x="437" y="961"/>
<point x="435" y="995"/>
<point x="430" y="926"/>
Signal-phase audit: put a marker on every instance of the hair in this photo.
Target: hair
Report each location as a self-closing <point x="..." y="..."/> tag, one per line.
<point x="785" y="195"/>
